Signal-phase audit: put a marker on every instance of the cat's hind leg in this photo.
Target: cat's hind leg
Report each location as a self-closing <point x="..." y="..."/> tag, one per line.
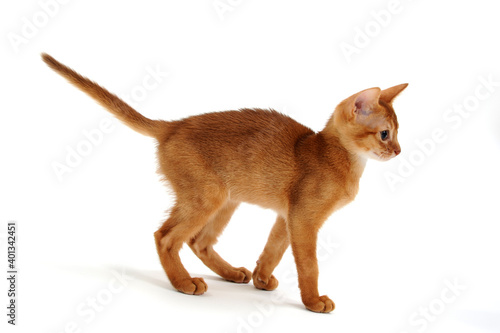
<point x="276" y="246"/>
<point x="202" y="245"/>
<point x="186" y="219"/>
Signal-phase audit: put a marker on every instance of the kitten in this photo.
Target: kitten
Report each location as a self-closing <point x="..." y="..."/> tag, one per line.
<point x="216" y="160"/>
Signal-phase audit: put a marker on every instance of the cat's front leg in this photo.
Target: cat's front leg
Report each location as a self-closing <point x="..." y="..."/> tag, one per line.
<point x="303" y="238"/>
<point x="276" y="246"/>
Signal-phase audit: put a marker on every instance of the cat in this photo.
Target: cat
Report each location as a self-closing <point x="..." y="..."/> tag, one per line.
<point x="214" y="161"/>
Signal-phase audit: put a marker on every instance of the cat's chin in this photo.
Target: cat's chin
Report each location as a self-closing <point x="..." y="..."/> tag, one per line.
<point x="379" y="157"/>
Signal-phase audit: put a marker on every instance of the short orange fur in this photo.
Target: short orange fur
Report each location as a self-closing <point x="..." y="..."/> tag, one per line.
<point x="216" y="160"/>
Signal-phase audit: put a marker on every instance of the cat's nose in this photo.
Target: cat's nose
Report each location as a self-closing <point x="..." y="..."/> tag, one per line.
<point x="397" y="151"/>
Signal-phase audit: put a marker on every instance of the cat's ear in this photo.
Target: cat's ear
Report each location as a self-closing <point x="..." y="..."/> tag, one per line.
<point x="365" y="101"/>
<point x="389" y="94"/>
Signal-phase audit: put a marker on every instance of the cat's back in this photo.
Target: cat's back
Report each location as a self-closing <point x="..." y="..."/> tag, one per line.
<point x="246" y="120"/>
<point x="249" y="127"/>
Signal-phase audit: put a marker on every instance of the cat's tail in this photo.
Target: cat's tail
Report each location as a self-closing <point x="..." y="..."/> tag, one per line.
<point x="111" y="102"/>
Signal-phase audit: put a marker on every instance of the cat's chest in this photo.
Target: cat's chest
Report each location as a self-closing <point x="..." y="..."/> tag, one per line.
<point x="343" y="190"/>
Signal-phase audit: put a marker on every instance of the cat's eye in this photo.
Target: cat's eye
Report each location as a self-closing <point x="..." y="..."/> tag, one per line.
<point x="384" y="135"/>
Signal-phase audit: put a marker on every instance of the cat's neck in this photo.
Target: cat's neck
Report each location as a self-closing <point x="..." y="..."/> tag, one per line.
<point x="358" y="166"/>
<point x="339" y="149"/>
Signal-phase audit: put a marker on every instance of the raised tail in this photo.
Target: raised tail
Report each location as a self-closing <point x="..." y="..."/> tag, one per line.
<point x="111" y="102"/>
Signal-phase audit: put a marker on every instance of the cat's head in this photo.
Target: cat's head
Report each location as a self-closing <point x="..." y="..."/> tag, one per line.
<point x="367" y="124"/>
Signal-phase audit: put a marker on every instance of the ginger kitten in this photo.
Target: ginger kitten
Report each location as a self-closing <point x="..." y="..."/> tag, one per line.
<point x="216" y="160"/>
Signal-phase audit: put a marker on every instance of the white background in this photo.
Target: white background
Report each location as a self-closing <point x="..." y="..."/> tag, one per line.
<point x="385" y="259"/>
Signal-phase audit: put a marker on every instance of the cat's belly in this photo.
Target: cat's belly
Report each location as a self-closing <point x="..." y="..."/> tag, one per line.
<point x="260" y="197"/>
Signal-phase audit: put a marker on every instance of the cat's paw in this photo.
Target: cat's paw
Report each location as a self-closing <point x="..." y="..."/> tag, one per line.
<point x="321" y="304"/>
<point x="241" y="275"/>
<point x="264" y="282"/>
<point x="192" y="286"/>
